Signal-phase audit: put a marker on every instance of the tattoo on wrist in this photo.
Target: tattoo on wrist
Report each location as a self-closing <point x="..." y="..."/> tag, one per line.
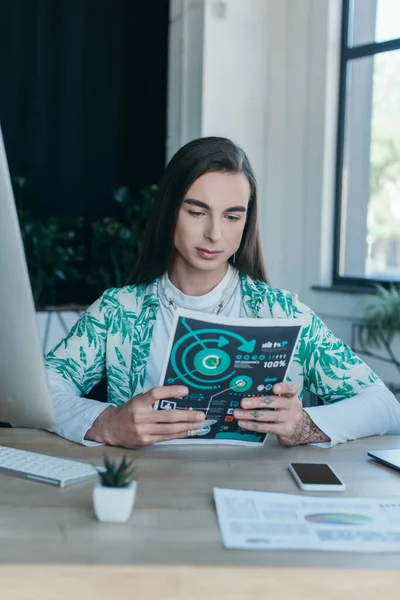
<point x="306" y="432"/>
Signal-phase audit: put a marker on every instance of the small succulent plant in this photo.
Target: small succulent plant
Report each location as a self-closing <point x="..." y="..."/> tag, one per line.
<point x="115" y="474"/>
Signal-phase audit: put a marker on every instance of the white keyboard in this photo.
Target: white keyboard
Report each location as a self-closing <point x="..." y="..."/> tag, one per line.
<point x="40" y="467"/>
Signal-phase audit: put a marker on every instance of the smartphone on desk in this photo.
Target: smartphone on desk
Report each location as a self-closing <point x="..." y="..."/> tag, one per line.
<point x="316" y="477"/>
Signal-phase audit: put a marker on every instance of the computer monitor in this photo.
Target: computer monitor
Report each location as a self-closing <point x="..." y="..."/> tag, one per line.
<point x="24" y="394"/>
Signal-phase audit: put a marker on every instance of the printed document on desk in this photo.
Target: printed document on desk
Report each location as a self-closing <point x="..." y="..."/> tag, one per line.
<point x="264" y="521"/>
<point x="222" y="360"/>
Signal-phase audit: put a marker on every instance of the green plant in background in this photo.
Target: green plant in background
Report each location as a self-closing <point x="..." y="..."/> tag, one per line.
<point x="116" y="475"/>
<point x="53" y="246"/>
<point x="116" y="240"/>
<point x="381" y="323"/>
<point x="64" y="256"/>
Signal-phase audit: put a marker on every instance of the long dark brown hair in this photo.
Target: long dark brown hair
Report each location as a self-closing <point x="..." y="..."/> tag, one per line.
<point x="210" y="154"/>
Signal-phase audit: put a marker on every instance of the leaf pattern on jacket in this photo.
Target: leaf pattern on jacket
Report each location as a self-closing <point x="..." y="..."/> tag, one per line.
<point x="112" y="338"/>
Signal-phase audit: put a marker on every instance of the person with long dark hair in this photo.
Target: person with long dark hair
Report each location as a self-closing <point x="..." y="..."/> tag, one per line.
<point x="202" y="252"/>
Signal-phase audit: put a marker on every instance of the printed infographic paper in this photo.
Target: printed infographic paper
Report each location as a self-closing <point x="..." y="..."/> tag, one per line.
<point x="222" y="360"/>
<point x="266" y="520"/>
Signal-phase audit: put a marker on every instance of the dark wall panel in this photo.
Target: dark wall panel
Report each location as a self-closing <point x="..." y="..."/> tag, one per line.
<point x="83" y="98"/>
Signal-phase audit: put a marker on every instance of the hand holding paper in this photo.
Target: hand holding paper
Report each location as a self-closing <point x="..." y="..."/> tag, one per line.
<point x="223" y="360"/>
<point x="280" y="413"/>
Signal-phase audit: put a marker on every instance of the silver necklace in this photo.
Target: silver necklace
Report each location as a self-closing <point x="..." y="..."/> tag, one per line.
<point x="226" y="296"/>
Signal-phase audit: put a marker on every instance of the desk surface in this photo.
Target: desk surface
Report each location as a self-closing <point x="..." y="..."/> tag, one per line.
<point x="174" y="523"/>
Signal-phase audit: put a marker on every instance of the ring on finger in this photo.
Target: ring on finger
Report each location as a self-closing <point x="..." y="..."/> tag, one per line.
<point x="191" y="432"/>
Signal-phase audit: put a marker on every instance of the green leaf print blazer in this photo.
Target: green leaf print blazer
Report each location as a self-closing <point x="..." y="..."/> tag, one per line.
<point x="112" y="339"/>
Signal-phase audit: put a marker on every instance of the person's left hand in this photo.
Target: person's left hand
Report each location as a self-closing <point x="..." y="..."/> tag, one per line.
<point x="284" y="419"/>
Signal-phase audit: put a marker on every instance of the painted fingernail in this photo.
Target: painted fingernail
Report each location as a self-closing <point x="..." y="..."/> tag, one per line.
<point x="200" y="417"/>
<point x="246" y="403"/>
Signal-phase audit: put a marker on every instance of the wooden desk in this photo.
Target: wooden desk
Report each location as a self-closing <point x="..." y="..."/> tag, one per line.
<point x="173" y="533"/>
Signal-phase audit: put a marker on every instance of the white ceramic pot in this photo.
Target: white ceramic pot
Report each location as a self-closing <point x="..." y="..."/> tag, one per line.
<point x="113" y="505"/>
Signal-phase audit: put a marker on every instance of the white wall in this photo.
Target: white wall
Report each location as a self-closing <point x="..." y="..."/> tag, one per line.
<point x="185" y="76"/>
<point x="53" y="326"/>
<point x="265" y="73"/>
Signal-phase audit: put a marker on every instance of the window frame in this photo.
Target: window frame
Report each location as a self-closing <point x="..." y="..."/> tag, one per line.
<point x="347" y="54"/>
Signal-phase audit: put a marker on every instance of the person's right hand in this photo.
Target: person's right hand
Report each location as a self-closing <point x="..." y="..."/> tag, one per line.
<point x="136" y="424"/>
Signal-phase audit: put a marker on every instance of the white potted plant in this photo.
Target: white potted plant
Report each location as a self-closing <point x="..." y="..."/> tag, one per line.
<point x="114" y="494"/>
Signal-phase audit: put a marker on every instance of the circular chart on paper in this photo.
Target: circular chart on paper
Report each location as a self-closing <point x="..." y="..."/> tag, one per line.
<point x="241" y="383"/>
<point x="337" y="519"/>
<point x="200" y="358"/>
<point x="211" y="361"/>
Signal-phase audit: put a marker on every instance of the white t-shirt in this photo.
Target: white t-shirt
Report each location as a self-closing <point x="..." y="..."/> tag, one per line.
<point x="164" y="321"/>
